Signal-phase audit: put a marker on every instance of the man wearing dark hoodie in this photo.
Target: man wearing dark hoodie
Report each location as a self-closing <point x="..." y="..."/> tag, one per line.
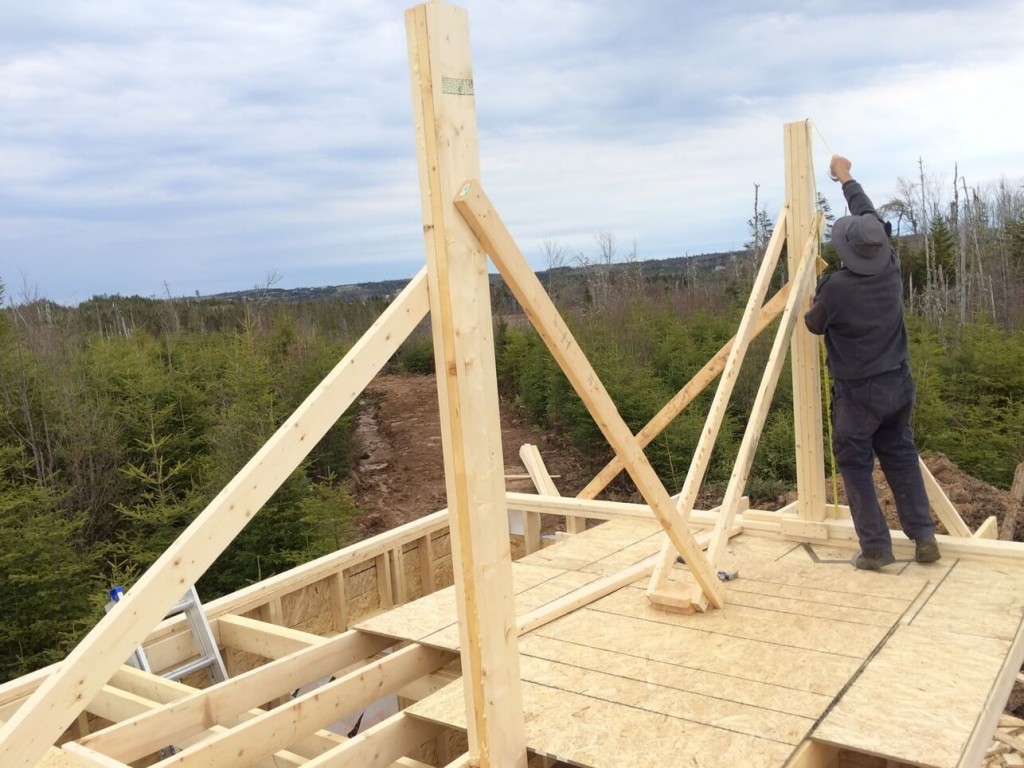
<point x="859" y="310"/>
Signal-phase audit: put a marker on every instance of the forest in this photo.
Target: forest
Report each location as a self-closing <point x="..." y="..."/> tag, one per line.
<point x="122" y="417"/>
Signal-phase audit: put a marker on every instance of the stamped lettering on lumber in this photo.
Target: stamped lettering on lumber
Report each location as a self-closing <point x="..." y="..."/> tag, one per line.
<point x="457" y="86"/>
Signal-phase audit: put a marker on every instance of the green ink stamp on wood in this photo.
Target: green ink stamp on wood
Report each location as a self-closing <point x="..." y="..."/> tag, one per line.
<point x="457" y="86"/>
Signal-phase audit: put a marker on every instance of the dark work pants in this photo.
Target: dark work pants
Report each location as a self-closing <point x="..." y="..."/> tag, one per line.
<point x="872" y="416"/>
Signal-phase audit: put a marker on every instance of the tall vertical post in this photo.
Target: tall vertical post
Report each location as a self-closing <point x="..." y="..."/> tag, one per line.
<point x="442" y="91"/>
<point x="801" y="199"/>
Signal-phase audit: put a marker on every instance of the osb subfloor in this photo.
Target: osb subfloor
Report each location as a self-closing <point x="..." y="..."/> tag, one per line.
<point x="897" y="664"/>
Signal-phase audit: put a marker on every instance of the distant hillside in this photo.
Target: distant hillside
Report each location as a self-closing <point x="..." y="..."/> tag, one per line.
<point x="652" y="268"/>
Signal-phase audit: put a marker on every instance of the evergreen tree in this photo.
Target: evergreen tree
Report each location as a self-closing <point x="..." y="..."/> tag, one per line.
<point x="944" y="255"/>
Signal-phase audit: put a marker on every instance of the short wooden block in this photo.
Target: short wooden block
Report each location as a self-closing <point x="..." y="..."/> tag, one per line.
<point x="805" y="530"/>
<point x="686" y="597"/>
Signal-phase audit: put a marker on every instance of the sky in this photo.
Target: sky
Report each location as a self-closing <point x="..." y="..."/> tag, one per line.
<point x="193" y="147"/>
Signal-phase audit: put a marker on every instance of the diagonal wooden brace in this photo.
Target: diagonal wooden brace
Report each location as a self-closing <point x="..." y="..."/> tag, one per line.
<point x="495" y="238"/>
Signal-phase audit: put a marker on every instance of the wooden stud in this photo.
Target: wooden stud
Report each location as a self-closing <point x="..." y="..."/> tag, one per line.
<point x="57" y="701"/>
<point x="82" y="725"/>
<point x="272" y="612"/>
<point x="473" y="204"/>
<point x="989" y="529"/>
<point x="701" y="459"/>
<point x="531" y="458"/>
<point x="338" y="595"/>
<point x="399" y="586"/>
<point x="425" y="553"/>
<point x="382" y="566"/>
<point x="801" y="200"/>
<point x="941" y="504"/>
<point x="462" y="327"/>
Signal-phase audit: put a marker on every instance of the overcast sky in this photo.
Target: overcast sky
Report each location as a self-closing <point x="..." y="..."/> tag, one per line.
<point x="193" y="146"/>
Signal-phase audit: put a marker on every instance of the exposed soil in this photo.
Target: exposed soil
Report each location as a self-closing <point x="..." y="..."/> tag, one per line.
<point x="400" y="475"/>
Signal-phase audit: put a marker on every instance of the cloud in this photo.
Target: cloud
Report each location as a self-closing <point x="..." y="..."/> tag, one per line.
<point x="207" y="146"/>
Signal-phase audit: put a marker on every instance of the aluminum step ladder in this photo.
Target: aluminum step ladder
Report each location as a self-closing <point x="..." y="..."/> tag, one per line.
<point x="209" y="657"/>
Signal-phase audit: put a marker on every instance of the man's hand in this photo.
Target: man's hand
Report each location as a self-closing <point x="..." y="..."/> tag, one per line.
<point x="839" y="169"/>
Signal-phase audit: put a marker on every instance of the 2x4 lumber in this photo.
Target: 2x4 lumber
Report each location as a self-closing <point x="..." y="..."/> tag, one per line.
<point x="379" y="746"/>
<point x="426" y="685"/>
<point x="474" y="205"/>
<point x="801" y="200"/>
<point x="382" y="568"/>
<point x="989" y="529"/>
<point x="716" y="414"/>
<point x="399" y="587"/>
<point x="115" y="705"/>
<point x="148" y="732"/>
<point x="58" y="701"/>
<point x="765" y="392"/>
<point x="83" y="757"/>
<point x="943" y="507"/>
<point x="462" y="330"/>
<point x="686" y="394"/>
<point x="545" y="485"/>
<point x="271" y="641"/>
<point x="425" y="553"/>
<point x="244" y="744"/>
<point x="338" y="596"/>
<point x="761" y="523"/>
<point x="149" y="685"/>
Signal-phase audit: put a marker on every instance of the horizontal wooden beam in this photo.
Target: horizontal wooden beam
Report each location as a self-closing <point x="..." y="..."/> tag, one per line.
<point x="271" y="641"/>
<point x="139" y="736"/>
<point x="312" y="711"/>
<point x="379" y="746"/>
<point x="759" y="522"/>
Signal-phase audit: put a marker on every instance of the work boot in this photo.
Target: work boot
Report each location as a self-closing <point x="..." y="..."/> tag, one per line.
<point x="866" y="562"/>
<point x="926" y="550"/>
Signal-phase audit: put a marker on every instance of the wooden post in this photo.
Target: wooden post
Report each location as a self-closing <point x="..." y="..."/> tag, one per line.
<point x="801" y="199"/>
<point x="425" y="553"/>
<point x="459" y="291"/>
<point x="338" y="595"/>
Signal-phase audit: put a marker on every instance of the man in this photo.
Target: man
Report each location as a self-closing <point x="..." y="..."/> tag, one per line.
<point x="859" y="309"/>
